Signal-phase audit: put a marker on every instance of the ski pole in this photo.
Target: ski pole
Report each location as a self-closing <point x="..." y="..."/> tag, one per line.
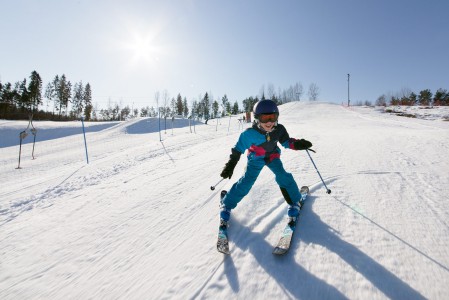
<point x="213" y="186"/>
<point x="327" y="190"/>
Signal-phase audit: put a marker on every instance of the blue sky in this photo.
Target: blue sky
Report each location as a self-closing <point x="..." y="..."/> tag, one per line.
<point x="129" y="50"/>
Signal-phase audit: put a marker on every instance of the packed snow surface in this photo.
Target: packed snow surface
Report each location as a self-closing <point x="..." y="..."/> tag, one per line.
<point x="139" y="221"/>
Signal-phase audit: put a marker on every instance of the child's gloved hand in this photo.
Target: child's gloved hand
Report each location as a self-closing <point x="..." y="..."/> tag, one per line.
<point x="230" y="165"/>
<point x="229" y="168"/>
<point x="302" y="144"/>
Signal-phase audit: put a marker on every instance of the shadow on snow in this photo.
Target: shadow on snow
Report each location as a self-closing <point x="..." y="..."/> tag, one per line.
<point x="296" y="279"/>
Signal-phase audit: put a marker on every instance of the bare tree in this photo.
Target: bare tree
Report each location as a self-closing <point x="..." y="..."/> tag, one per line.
<point x="381" y="101"/>
<point x="271" y="91"/>
<point x="314" y="90"/>
<point x="156" y="98"/>
<point x="262" y="92"/>
<point x="404" y="92"/>
<point x="298" y="91"/>
<point x="165" y="97"/>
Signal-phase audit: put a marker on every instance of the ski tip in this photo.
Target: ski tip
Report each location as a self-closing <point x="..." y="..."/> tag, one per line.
<point x="279" y="251"/>
<point x="224" y="251"/>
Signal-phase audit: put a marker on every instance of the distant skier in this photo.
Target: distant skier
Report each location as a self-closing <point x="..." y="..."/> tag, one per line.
<point x="261" y="141"/>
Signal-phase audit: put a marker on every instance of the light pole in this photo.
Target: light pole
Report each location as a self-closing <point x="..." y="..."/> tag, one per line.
<point x="348" y="89"/>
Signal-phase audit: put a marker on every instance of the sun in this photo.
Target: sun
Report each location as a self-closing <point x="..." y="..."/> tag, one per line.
<point x="141" y="48"/>
<point x="141" y="43"/>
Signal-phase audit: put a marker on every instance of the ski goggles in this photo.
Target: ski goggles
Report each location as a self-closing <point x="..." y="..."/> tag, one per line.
<point x="265" y="118"/>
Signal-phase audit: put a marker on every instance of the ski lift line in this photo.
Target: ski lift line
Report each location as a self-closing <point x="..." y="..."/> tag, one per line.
<point x="316" y="184"/>
<point x="289" y="110"/>
<point x="392" y="234"/>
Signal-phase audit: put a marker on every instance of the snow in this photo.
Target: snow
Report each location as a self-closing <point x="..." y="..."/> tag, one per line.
<point x="140" y="220"/>
<point x="422" y="112"/>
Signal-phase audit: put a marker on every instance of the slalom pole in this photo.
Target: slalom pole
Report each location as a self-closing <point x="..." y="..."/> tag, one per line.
<point x="34" y="132"/>
<point x="22" y="135"/>
<point x="213" y="186"/>
<point x="327" y="190"/>
<point x="85" y="143"/>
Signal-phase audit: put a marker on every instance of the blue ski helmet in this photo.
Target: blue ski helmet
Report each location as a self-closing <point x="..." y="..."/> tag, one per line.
<point x="265" y="107"/>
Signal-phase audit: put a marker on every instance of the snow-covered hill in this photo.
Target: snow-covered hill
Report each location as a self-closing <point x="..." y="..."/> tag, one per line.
<point x="140" y="221"/>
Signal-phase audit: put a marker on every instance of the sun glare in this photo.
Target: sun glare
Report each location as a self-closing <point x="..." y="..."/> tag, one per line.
<point x="141" y="49"/>
<point x="140" y="41"/>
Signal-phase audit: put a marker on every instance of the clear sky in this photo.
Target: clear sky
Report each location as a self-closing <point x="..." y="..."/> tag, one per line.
<point x="128" y="50"/>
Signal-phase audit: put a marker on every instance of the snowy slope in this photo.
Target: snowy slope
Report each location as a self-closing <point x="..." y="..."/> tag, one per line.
<point x="140" y="221"/>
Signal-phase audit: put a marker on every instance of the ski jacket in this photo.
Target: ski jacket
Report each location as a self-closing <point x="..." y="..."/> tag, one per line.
<point x="261" y="144"/>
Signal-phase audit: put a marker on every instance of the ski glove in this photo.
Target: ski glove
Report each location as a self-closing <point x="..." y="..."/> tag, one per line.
<point x="228" y="170"/>
<point x="301" y="144"/>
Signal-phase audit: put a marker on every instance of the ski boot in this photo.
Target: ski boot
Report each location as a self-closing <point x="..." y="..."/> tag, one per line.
<point x="293" y="213"/>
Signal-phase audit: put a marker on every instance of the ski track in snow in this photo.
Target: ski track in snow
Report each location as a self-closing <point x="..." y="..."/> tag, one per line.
<point x="139" y="221"/>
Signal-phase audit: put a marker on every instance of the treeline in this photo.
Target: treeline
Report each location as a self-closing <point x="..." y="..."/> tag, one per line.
<point x="409" y="98"/>
<point x="67" y="101"/>
<point x="204" y="107"/>
<point x="167" y="107"/>
<point x="20" y="100"/>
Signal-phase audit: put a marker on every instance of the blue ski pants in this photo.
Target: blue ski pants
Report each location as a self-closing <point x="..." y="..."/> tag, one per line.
<point x="242" y="187"/>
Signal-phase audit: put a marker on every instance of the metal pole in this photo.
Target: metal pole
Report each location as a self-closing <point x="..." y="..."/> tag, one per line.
<point x="21" y="135"/>
<point x="348" y="90"/>
<point x="159" y="122"/>
<point x="328" y="191"/>
<point x="34" y="132"/>
<point x="85" y="143"/>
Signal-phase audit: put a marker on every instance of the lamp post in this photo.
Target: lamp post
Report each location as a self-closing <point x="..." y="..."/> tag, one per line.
<point x="348" y="90"/>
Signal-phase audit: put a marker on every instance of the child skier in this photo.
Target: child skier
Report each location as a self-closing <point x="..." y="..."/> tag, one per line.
<point x="261" y="142"/>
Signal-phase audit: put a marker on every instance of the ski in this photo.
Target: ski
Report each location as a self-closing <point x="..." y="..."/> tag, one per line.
<point x="223" y="242"/>
<point x="284" y="242"/>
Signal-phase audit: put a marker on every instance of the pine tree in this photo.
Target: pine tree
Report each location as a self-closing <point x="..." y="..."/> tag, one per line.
<point x="35" y="91"/>
<point x="425" y="97"/>
<point x="206" y="107"/>
<point x="24" y="95"/>
<point x="7" y="98"/>
<point x="179" y="105"/>
<point x="64" y="92"/>
<point x="87" y="102"/>
<point x="441" y="97"/>
<point x="215" y="108"/>
<point x="413" y="98"/>
<point x="50" y="93"/>
<point x="88" y="107"/>
<point x="78" y="99"/>
<point x="225" y="105"/>
<point x="185" y="108"/>
<point x="235" y="108"/>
